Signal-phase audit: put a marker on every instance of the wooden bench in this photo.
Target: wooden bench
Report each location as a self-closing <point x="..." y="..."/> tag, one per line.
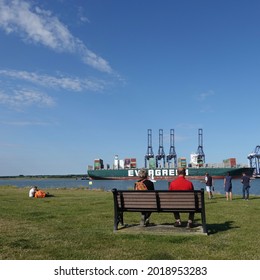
<point x="158" y="201"/>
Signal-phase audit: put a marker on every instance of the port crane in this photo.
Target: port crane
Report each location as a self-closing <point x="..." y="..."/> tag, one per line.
<point x="200" y="153"/>
<point x="149" y="153"/>
<point x="161" y="154"/>
<point x="172" y="154"/>
<point x="254" y="161"/>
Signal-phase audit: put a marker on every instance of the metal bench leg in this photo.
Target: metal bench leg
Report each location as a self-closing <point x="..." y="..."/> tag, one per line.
<point x="204" y="225"/>
<point x="119" y="218"/>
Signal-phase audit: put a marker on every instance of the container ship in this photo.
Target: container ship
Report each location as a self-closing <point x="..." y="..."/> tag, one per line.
<point x="162" y="167"/>
<point x="130" y="172"/>
<point x="168" y="173"/>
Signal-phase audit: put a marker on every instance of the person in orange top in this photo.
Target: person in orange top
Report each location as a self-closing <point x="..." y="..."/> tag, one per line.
<point x="40" y="194"/>
<point x="182" y="184"/>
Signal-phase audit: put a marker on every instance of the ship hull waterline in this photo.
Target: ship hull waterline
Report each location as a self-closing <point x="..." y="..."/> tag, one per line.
<point x="168" y="174"/>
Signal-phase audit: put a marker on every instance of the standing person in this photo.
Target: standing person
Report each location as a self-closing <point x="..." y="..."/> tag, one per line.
<point x="182" y="184"/>
<point x="245" y="180"/>
<point x="209" y="185"/>
<point x="228" y="186"/>
<point x="144" y="184"/>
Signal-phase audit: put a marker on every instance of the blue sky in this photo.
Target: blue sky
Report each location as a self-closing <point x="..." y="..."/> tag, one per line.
<point x="81" y="80"/>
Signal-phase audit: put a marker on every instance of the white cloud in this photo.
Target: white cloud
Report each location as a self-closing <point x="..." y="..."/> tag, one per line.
<point x="61" y="82"/>
<point x="203" y="96"/>
<point x="25" y="97"/>
<point x="26" y="123"/>
<point x="81" y="15"/>
<point x="205" y="101"/>
<point x="207" y="109"/>
<point x="39" y="26"/>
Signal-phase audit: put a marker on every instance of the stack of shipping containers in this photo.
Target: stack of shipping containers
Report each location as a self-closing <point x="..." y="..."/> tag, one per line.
<point x="130" y="163"/>
<point x="133" y="163"/>
<point x="127" y="163"/>
<point x="230" y="162"/>
<point x="98" y="164"/>
<point x="152" y="163"/>
<point x="182" y="162"/>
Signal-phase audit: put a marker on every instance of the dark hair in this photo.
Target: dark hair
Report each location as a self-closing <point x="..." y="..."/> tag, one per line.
<point x="181" y="171"/>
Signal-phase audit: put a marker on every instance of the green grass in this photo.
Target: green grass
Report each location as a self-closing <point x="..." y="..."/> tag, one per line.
<point x="78" y="224"/>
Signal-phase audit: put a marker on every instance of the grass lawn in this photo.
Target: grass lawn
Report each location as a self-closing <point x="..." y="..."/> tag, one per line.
<point x="78" y="224"/>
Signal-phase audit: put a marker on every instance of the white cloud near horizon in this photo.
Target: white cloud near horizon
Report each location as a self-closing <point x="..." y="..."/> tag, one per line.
<point x="39" y="26"/>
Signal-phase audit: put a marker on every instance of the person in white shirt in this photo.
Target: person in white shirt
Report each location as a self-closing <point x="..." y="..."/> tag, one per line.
<point x="32" y="191"/>
<point x="209" y="185"/>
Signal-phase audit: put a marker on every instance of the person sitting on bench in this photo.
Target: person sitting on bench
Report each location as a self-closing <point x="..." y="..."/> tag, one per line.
<point x="182" y="184"/>
<point x="144" y="184"/>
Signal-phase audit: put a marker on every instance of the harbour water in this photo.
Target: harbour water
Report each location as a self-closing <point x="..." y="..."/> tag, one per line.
<point x="108" y="185"/>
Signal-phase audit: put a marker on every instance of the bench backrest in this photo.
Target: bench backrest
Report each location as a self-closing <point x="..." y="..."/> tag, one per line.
<point x="161" y="201"/>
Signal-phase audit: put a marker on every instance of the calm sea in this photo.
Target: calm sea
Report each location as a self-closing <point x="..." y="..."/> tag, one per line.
<point x="123" y="185"/>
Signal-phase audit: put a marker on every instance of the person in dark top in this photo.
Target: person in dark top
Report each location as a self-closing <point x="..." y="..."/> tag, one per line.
<point x="228" y="186"/>
<point x="245" y="180"/>
<point x="144" y="184"/>
<point x="209" y="185"/>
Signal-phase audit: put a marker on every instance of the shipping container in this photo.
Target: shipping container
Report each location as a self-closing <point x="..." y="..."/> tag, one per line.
<point x="233" y="162"/>
<point x="152" y="163"/>
<point x="182" y="162"/>
<point x="98" y="164"/>
<point x="127" y="163"/>
<point x="90" y="167"/>
<point x="133" y="163"/>
<point x="230" y="162"/>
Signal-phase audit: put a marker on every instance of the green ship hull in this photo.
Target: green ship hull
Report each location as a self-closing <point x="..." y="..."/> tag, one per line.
<point x="168" y="173"/>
